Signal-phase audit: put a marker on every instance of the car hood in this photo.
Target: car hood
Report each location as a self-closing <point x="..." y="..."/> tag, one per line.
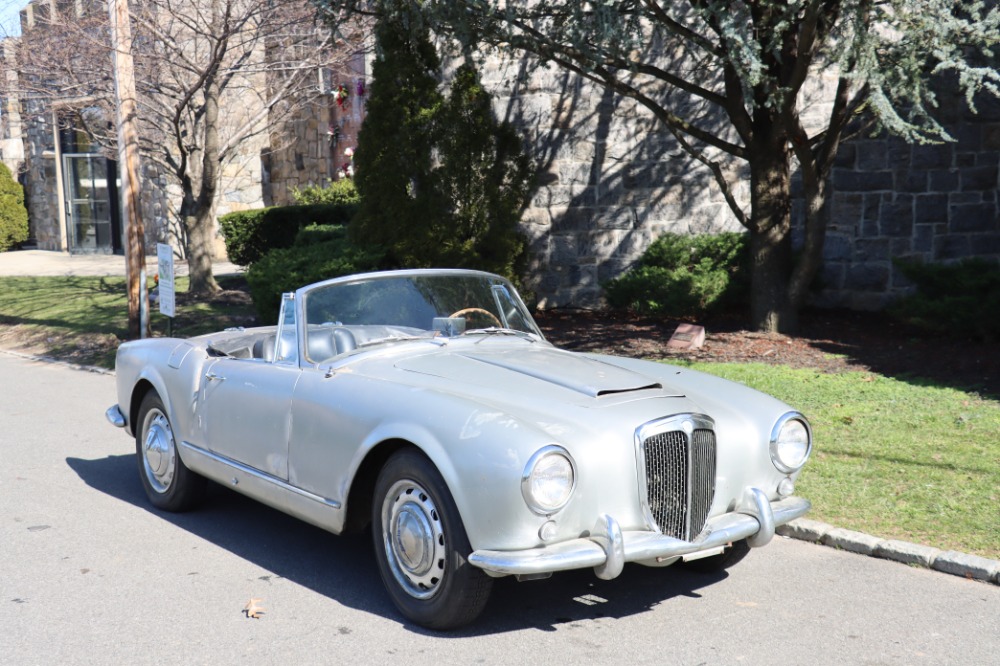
<point x="511" y="368"/>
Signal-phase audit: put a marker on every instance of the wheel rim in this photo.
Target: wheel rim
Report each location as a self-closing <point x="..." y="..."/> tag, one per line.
<point x="159" y="455"/>
<point x="414" y="539"/>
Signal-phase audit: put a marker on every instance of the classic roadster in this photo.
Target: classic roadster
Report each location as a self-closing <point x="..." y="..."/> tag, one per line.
<point x="427" y="404"/>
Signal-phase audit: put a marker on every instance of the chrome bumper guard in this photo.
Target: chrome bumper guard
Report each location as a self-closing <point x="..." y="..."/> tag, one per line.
<point x="608" y="548"/>
<point x="115" y="416"/>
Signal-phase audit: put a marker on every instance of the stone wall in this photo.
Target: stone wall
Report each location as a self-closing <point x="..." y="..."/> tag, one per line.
<point x="612" y="180"/>
<point x="933" y="203"/>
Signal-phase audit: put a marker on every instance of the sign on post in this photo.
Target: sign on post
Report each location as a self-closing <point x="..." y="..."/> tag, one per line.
<point x="165" y="267"/>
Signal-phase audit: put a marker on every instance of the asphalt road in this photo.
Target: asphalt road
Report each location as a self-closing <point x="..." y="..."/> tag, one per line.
<point x="90" y="574"/>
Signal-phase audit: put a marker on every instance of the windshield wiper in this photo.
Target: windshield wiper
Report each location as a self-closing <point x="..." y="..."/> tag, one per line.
<point x="493" y="330"/>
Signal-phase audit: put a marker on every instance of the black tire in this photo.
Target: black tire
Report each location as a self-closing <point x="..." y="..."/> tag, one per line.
<point x="716" y="563"/>
<point x="168" y="483"/>
<point x="421" y="546"/>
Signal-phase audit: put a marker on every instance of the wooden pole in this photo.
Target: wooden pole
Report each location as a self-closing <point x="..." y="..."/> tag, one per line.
<point x="128" y="168"/>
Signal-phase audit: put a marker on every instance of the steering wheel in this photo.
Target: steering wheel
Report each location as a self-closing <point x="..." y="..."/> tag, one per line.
<point x="462" y="313"/>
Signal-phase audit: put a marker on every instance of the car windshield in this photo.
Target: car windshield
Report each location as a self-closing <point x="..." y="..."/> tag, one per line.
<point x="380" y="307"/>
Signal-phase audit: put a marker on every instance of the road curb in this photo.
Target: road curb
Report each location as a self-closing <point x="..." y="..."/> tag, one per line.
<point x="949" y="562"/>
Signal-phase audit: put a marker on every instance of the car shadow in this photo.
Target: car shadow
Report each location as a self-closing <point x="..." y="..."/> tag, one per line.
<point x="343" y="567"/>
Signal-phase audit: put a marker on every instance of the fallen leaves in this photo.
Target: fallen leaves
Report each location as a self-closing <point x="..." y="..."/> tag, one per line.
<point x="253" y="609"/>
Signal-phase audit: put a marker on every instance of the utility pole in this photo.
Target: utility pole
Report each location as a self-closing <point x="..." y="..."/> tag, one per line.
<point x="128" y="167"/>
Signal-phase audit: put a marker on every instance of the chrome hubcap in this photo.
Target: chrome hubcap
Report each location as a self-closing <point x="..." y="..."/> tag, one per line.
<point x="159" y="456"/>
<point x="414" y="539"/>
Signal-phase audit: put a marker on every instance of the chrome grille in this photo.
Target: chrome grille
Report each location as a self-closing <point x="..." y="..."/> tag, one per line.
<point x="680" y="480"/>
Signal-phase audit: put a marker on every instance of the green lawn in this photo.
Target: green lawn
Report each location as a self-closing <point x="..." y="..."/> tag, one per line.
<point x="892" y="458"/>
<point x="83" y="319"/>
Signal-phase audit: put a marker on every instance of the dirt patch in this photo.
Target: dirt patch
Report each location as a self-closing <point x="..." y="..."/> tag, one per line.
<point x="829" y="341"/>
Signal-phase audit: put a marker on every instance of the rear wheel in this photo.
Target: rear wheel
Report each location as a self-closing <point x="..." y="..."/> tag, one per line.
<point x="168" y="483"/>
<point x="715" y="563"/>
<point x="421" y="546"/>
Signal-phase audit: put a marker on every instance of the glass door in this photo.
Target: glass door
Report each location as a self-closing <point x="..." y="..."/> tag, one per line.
<point x="88" y="203"/>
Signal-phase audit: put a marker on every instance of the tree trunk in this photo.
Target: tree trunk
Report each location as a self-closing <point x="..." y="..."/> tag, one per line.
<point x="771" y="310"/>
<point x="200" y="220"/>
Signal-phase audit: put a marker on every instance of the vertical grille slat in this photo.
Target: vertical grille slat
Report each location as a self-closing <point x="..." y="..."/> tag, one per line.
<point x="680" y="480"/>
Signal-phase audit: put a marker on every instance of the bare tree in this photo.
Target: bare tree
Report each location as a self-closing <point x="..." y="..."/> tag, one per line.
<point x="213" y="77"/>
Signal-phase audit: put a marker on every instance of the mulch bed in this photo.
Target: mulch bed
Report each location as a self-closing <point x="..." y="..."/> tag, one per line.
<point x="829" y="341"/>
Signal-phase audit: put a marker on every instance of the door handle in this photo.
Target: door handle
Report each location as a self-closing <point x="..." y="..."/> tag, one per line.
<point x="211" y="375"/>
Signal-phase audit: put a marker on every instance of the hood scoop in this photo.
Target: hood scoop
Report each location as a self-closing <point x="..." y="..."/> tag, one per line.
<point x="575" y="372"/>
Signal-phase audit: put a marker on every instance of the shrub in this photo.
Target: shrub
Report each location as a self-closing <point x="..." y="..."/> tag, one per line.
<point x="682" y="275"/>
<point x="962" y="299"/>
<point x="251" y="234"/>
<point x="340" y="192"/>
<point x="13" y="216"/>
<point x="318" y="253"/>
<point x="442" y="182"/>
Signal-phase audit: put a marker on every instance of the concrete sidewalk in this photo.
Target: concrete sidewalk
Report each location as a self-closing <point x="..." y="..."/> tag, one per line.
<point x="43" y="262"/>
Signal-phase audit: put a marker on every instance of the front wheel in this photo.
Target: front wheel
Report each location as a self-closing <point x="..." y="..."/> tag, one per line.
<point x="168" y="483"/>
<point x="421" y="546"/>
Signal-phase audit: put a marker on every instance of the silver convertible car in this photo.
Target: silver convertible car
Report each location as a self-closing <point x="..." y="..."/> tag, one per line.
<point x="427" y="405"/>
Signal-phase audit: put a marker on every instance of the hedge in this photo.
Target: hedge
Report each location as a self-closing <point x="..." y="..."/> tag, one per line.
<point x="251" y="234"/>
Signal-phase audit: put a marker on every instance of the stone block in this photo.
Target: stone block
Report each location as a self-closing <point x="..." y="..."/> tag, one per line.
<point x="973" y="217"/>
<point x="950" y="246"/>
<point x="907" y="553"/>
<point x="847" y="207"/>
<point x="805" y="529"/>
<point x="964" y="160"/>
<point x="911" y="181"/>
<point x="837" y="248"/>
<point x="846" y="156"/>
<point x="978" y="178"/>
<point x="991" y="136"/>
<point x="969" y="566"/>
<point x="867" y="277"/>
<point x="872" y="249"/>
<point x="930" y="208"/>
<point x="855" y="542"/>
<point x="897" y="217"/>
<point x="923" y="237"/>
<point x="932" y="156"/>
<point x="872" y="156"/>
<point x="854" y="181"/>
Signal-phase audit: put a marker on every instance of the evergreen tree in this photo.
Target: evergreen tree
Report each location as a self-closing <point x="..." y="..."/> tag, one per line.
<point x="13" y="216"/>
<point x="401" y="204"/>
<point x="485" y="176"/>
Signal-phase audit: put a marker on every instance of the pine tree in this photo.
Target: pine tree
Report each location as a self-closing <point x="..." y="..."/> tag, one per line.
<point x="401" y="204"/>
<point x="486" y="177"/>
<point x="13" y="216"/>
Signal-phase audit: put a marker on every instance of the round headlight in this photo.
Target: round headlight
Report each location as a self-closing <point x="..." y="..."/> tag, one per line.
<point x="548" y="480"/>
<point x="791" y="442"/>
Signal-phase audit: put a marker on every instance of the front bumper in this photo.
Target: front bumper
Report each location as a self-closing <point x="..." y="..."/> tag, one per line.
<point x="115" y="417"/>
<point x="608" y="548"/>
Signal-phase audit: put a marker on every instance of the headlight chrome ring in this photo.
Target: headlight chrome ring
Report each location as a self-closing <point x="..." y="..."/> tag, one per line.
<point x="791" y="442"/>
<point x="549" y="480"/>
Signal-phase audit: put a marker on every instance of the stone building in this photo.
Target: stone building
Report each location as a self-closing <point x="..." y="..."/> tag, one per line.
<point x="71" y="186"/>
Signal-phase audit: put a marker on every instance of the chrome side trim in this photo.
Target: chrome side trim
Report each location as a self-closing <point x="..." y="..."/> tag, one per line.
<point x="637" y="546"/>
<point x="115" y="417"/>
<point x="260" y="476"/>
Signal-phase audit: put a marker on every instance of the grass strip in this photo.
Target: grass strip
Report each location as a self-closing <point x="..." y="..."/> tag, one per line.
<point x="893" y="458"/>
<point x="83" y="318"/>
